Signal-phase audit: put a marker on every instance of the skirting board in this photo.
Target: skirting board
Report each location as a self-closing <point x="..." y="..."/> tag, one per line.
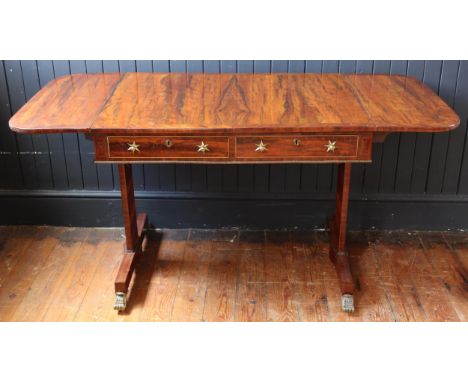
<point x="195" y="210"/>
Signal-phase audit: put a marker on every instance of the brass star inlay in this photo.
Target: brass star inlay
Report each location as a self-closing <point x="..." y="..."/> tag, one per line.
<point x="331" y="146"/>
<point x="203" y="147"/>
<point x="261" y="147"/>
<point x="133" y="147"/>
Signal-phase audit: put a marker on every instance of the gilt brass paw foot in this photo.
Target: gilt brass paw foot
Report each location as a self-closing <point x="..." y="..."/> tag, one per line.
<point x="347" y="303"/>
<point x="120" y="301"/>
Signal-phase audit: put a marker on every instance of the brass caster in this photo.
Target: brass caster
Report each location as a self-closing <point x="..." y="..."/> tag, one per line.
<point x="347" y="303"/>
<point x="120" y="301"/>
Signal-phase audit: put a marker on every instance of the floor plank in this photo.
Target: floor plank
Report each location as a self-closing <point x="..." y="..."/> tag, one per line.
<point x="45" y="291"/>
<point x="67" y="274"/>
<point x="313" y="300"/>
<point x="191" y="291"/>
<point x="20" y="278"/>
<point x="165" y="280"/>
<point x="279" y="278"/>
<point x="428" y="289"/>
<point x="394" y="273"/>
<point x="97" y="304"/>
<point x="251" y="297"/>
<point x="13" y="242"/>
<point x="451" y="271"/>
<point x="220" y="301"/>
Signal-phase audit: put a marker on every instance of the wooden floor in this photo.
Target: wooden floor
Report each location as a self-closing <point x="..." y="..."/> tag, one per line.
<point x="67" y="274"/>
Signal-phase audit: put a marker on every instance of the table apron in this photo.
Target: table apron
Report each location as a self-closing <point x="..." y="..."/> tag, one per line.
<point x="268" y="148"/>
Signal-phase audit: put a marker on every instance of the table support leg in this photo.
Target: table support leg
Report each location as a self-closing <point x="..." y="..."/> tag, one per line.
<point x="134" y="235"/>
<point x="337" y="224"/>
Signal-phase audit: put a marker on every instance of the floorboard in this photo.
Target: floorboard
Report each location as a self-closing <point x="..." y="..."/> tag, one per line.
<point x="67" y="274"/>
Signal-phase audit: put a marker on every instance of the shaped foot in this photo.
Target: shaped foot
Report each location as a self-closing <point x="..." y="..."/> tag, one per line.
<point x="120" y="301"/>
<point x="347" y="303"/>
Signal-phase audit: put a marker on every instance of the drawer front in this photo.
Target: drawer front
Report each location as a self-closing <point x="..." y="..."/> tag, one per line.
<point x="318" y="147"/>
<point x="141" y="147"/>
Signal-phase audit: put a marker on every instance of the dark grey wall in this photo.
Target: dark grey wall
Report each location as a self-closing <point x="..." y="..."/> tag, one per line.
<point x="415" y="180"/>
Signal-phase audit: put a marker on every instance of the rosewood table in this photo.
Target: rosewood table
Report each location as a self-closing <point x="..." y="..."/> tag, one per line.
<point x="233" y="118"/>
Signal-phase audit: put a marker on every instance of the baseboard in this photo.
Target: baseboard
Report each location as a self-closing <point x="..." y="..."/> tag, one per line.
<point x="208" y="210"/>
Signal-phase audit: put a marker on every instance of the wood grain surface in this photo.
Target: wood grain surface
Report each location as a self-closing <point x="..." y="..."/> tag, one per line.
<point x="142" y="103"/>
<point x="67" y="104"/>
<point x="66" y="274"/>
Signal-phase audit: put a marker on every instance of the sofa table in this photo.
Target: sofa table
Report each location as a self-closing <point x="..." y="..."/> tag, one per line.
<point x="233" y="118"/>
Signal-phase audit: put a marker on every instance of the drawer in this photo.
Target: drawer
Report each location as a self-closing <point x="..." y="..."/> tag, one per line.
<point x="315" y="147"/>
<point x="170" y="147"/>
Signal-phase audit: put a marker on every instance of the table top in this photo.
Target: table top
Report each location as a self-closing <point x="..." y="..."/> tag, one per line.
<point x="151" y="103"/>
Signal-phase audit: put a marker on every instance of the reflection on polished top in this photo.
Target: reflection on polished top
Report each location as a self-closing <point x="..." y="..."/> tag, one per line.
<point x="142" y="103"/>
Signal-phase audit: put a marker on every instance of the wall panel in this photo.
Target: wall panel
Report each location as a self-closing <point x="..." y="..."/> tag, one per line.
<point x="405" y="164"/>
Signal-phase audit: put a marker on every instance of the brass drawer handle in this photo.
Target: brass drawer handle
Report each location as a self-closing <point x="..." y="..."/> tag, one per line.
<point x="261" y="147"/>
<point x="133" y="147"/>
<point x="168" y="143"/>
<point x="203" y="147"/>
<point x="296" y="142"/>
<point x="330" y="146"/>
